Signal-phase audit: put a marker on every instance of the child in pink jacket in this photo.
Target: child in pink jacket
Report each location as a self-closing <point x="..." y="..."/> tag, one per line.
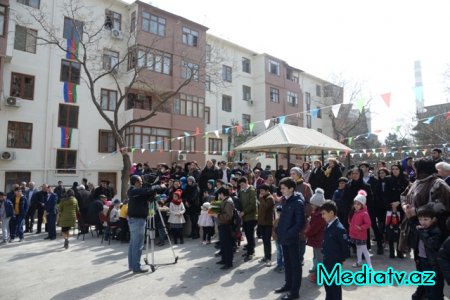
<point x="359" y="221"/>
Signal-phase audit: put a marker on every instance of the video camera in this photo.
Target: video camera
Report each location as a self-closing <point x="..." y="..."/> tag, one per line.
<point x="150" y="179"/>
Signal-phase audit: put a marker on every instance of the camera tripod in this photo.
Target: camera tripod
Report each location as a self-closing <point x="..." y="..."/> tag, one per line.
<point x="150" y="230"/>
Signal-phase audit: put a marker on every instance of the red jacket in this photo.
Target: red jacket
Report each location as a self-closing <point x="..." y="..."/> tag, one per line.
<point x="360" y="218"/>
<point x="314" y="231"/>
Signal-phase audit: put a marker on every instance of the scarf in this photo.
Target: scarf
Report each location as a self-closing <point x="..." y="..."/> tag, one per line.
<point x="176" y="202"/>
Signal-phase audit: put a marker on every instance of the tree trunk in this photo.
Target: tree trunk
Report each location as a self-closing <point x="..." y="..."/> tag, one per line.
<point x="125" y="177"/>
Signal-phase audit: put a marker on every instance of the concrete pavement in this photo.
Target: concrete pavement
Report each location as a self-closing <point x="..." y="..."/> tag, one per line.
<point x="37" y="269"/>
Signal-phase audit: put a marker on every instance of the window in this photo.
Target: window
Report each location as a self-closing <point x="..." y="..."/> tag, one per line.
<point x="274" y="95"/>
<point x="135" y="101"/>
<point x="19" y="135"/>
<point x="32" y="3"/>
<point x="226" y="103"/>
<point x="226" y="73"/>
<point x="151" y="59"/>
<point x="246" y="65"/>
<point x="187" y="144"/>
<point x="207" y="83"/>
<point x="246" y="92"/>
<point x="22" y="86"/>
<point x="274" y="67"/>
<point x="73" y="29"/>
<point x="308" y="121"/>
<point x="108" y="99"/>
<point x="246" y="119"/>
<point x="66" y="161"/>
<point x="2" y="20"/>
<point x="25" y="39"/>
<point x="148" y="137"/>
<point x="190" y="106"/>
<point x="153" y="24"/>
<point x="319" y="130"/>
<point x="208" y="52"/>
<point x="292" y="98"/>
<point x="113" y="20"/>
<point x="190" y="37"/>
<point x="214" y="146"/>
<point x="68" y="116"/>
<point x="70" y="71"/>
<point x="207" y="114"/>
<point x="133" y="22"/>
<point x="106" y="141"/>
<point x="189" y="70"/>
<point x="318" y="90"/>
<point x="308" y="101"/>
<point x="319" y="112"/>
<point x="12" y="178"/>
<point x="110" y="59"/>
<point x="291" y="76"/>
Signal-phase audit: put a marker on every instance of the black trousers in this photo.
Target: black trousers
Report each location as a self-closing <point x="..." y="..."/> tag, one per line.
<point x="40" y="215"/>
<point x="249" y="229"/>
<point x="195" y="230"/>
<point x="333" y="291"/>
<point x="226" y="244"/>
<point x="292" y="268"/>
<point x="266" y="232"/>
<point x="29" y="218"/>
<point x="208" y="232"/>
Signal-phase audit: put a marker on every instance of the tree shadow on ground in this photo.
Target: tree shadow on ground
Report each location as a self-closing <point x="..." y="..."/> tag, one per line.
<point x="93" y="287"/>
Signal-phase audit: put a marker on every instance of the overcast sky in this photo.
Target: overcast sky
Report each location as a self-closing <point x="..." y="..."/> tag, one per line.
<point x="374" y="42"/>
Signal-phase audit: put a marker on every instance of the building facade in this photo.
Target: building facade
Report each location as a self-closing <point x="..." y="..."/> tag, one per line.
<point x="52" y="128"/>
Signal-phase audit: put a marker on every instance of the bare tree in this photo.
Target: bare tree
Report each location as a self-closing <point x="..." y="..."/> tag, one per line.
<point x="125" y="71"/>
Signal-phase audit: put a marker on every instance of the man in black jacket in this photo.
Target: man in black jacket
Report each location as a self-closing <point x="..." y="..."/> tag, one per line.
<point x="139" y="198"/>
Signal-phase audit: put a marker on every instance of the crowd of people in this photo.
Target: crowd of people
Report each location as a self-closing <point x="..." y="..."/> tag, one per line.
<point x="333" y="209"/>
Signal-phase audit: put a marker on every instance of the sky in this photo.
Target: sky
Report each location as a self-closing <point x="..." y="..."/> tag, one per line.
<point x="374" y="43"/>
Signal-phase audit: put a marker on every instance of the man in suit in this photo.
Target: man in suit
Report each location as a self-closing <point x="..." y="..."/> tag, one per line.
<point x="31" y="208"/>
<point x="443" y="169"/>
<point x="50" y="212"/>
<point x="39" y="202"/>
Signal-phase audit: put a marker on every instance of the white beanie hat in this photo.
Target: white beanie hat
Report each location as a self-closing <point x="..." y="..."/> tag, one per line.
<point x="361" y="197"/>
<point x="318" y="199"/>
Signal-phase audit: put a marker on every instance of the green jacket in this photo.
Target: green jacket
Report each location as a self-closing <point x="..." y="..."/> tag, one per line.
<point x="248" y="202"/>
<point x="68" y="209"/>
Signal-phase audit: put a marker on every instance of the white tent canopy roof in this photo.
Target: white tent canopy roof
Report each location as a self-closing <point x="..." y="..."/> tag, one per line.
<point x="299" y="140"/>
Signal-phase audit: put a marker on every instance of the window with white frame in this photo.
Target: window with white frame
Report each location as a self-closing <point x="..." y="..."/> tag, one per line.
<point x="226" y="103"/>
<point x="154" y="60"/>
<point x="246" y="120"/>
<point x="187" y="144"/>
<point x="318" y="90"/>
<point x="274" y="95"/>
<point x="292" y="98"/>
<point x="113" y="20"/>
<point x="319" y="112"/>
<point x="149" y="138"/>
<point x="110" y="59"/>
<point x="189" y="70"/>
<point x="190" y="37"/>
<point x="227" y="74"/>
<point x="308" y="101"/>
<point x="246" y="66"/>
<point x="208" y="52"/>
<point x="274" y="67"/>
<point x="31" y="3"/>
<point x="207" y="83"/>
<point x="214" y="146"/>
<point x="153" y="24"/>
<point x="188" y="105"/>
<point x="25" y="39"/>
<point x="308" y="121"/>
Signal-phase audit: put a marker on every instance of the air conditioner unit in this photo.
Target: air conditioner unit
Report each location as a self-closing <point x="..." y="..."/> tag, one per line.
<point x="116" y="33"/>
<point x="7" y="155"/>
<point x="182" y="156"/>
<point x="12" y="101"/>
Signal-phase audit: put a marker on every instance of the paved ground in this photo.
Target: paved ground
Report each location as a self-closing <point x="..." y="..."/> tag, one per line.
<point x="37" y="269"/>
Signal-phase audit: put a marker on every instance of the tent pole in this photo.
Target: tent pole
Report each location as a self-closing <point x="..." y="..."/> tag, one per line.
<point x="276" y="161"/>
<point x="288" y="158"/>
<point x="323" y="158"/>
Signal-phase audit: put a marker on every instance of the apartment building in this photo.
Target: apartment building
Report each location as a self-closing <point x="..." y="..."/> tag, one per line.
<point x="51" y="127"/>
<point x="246" y="88"/>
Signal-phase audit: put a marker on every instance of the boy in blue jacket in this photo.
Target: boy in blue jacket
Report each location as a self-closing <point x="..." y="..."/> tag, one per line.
<point x="335" y="246"/>
<point x="6" y="213"/>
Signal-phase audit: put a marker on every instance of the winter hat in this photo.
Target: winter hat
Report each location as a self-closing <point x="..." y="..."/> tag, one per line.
<point x="178" y="193"/>
<point x="81" y="187"/>
<point x="116" y="201"/>
<point x="191" y="178"/>
<point x="361" y="197"/>
<point x="212" y="182"/>
<point x="296" y="170"/>
<point x="318" y="199"/>
<point x="206" y="206"/>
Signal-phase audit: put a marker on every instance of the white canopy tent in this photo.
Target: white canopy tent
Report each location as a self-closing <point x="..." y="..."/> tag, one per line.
<point x="290" y="139"/>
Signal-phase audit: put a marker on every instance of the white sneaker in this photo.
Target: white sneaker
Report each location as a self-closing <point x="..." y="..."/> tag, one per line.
<point x="356" y="265"/>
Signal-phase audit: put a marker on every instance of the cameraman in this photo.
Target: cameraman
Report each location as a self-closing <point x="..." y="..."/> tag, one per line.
<point x="139" y="198"/>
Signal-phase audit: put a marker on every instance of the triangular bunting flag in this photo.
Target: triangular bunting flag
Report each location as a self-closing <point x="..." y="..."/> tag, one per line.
<point x="350" y="139"/>
<point x="424" y="152"/>
<point x="335" y="109"/>
<point x="133" y="149"/>
<point x="197" y="131"/>
<point x="429" y="120"/>
<point x="238" y="129"/>
<point x="360" y="105"/>
<point x="364" y="150"/>
<point x="387" y="99"/>
<point x="216" y="132"/>
<point x="227" y="129"/>
<point x="186" y="133"/>
<point x="142" y="150"/>
<point x="267" y="123"/>
<point x="314" y="113"/>
<point x="447" y="115"/>
<point x="281" y="120"/>
<point x="352" y="154"/>
<point x="250" y="126"/>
